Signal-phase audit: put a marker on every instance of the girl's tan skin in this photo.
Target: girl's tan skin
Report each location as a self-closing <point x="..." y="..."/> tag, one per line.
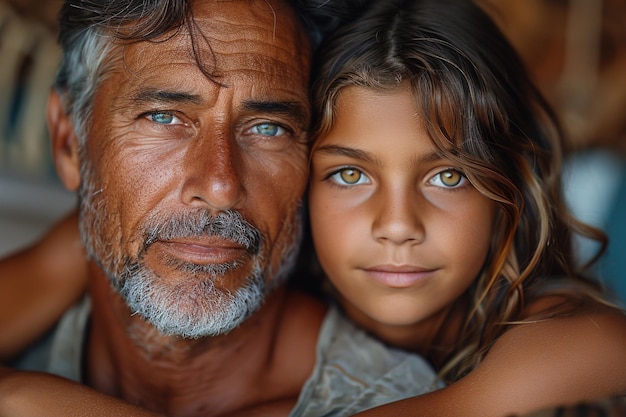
<point x="401" y="242"/>
<point x="378" y="164"/>
<point x="437" y="215"/>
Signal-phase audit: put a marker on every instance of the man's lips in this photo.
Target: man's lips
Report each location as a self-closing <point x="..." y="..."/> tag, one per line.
<point x="399" y="276"/>
<point x="202" y="250"/>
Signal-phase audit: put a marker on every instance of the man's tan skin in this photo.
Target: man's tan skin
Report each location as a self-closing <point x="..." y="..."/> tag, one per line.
<point x="165" y="140"/>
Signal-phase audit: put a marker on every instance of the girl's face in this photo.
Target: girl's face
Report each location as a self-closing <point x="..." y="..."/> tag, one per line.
<point x="399" y="231"/>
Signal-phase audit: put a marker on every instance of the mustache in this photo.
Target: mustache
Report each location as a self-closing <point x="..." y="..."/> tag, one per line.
<point x="228" y="225"/>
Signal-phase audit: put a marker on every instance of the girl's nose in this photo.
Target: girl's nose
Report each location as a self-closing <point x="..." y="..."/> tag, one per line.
<point x="397" y="217"/>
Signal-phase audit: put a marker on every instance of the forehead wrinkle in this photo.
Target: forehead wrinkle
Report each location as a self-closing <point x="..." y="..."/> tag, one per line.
<point x="227" y="31"/>
<point x="274" y="19"/>
<point x="261" y="26"/>
<point x="247" y="53"/>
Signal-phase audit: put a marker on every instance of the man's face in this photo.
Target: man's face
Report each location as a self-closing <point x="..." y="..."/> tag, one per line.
<point x="191" y="189"/>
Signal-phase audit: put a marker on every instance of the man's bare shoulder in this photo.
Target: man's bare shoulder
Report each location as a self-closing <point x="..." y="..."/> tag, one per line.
<point x="299" y="302"/>
<point x="300" y="320"/>
<point x="295" y="349"/>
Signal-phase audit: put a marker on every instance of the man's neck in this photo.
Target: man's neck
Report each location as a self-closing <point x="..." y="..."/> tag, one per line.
<point x="129" y="359"/>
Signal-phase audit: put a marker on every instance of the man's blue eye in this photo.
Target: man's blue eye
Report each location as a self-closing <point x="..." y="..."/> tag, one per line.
<point x="268" y="129"/>
<point x="163" y="118"/>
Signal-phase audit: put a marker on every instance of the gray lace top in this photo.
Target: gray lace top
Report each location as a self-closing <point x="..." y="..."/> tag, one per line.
<point x="353" y="370"/>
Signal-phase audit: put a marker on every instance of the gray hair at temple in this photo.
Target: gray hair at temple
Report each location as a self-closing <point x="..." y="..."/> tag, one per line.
<point x="88" y="30"/>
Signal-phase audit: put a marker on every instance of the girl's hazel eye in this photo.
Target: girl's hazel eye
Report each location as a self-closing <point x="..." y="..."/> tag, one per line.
<point x="451" y="178"/>
<point x="350" y="176"/>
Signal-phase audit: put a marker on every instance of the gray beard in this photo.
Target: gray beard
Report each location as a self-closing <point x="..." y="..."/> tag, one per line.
<point x="190" y="308"/>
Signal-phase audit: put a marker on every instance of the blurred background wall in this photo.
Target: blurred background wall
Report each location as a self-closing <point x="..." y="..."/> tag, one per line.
<point x="575" y="51"/>
<point x="31" y="197"/>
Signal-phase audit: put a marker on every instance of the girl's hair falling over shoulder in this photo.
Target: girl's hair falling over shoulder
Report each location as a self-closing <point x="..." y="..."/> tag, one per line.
<point x="485" y="115"/>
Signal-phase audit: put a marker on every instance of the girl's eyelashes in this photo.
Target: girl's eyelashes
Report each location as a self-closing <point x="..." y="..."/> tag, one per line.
<point x="448" y="178"/>
<point x="348" y="176"/>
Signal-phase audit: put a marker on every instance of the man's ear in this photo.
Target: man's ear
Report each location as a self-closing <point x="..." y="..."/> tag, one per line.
<point x="64" y="142"/>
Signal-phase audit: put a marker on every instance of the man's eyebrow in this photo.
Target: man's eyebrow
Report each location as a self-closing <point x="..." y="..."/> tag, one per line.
<point x="153" y="95"/>
<point x="291" y="109"/>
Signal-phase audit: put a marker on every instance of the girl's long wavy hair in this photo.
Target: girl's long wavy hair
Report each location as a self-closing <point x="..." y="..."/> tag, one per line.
<point x="484" y="114"/>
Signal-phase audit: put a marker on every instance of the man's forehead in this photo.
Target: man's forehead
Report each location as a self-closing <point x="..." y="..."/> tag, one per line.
<point x="258" y="35"/>
<point x="234" y="52"/>
<point x="240" y="62"/>
<point x="275" y="19"/>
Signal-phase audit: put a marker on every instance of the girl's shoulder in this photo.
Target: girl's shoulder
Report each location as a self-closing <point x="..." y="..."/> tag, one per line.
<point x="557" y="309"/>
<point x="575" y="348"/>
<point x="569" y="325"/>
<point x="561" y="352"/>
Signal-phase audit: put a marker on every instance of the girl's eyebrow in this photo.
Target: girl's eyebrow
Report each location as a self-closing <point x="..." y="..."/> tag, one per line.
<point x="345" y="151"/>
<point x="365" y="156"/>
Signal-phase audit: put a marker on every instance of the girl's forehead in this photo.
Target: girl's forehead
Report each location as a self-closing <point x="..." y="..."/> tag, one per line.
<point x="378" y="122"/>
<point x="370" y="107"/>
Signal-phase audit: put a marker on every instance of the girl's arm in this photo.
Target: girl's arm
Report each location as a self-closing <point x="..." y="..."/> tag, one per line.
<point x="37" y="284"/>
<point x="32" y="394"/>
<point x="559" y="361"/>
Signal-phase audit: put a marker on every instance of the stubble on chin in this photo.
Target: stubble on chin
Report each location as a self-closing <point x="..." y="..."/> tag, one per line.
<point x="194" y="307"/>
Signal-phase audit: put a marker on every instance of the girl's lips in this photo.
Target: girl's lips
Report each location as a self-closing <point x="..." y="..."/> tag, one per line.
<point x="399" y="276"/>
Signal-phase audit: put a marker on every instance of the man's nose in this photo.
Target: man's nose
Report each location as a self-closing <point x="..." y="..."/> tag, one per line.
<point x="213" y="170"/>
